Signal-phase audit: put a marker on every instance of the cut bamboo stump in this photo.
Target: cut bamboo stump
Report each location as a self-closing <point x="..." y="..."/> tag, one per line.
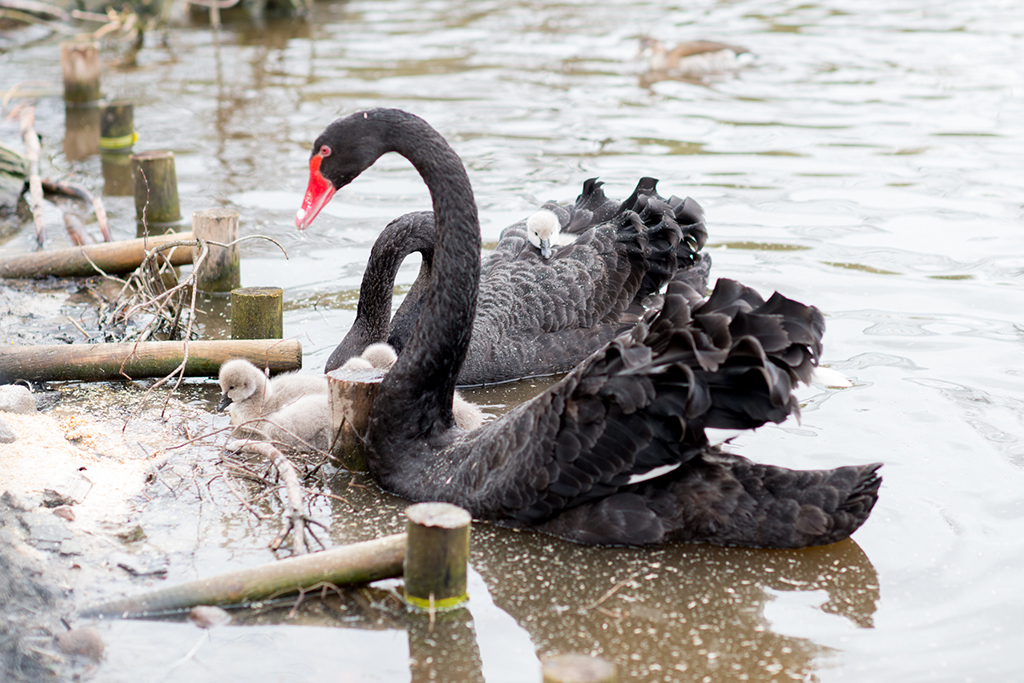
<point x="573" y="668"/>
<point x="257" y="313"/>
<point x="156" y="191"/>
<point x="436" y="556"/>
<point x="357" y="563"/>
<point x="80" y="63"/>
<point x="221" y="270"/>
<point x="351" y="394"/>
<point x="105" y="362"/>
<point x="117" y="127"/>
<point x="110" y="257"/>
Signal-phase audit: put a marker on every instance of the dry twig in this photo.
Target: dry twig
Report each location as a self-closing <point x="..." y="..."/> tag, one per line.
<point x="295" y="522"/>
<point x="27" y="120"/>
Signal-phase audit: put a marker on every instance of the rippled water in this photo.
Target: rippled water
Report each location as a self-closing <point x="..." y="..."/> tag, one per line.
<point x="871" y="163"/>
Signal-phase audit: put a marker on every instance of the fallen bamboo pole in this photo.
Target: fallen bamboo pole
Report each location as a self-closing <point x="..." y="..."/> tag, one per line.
<point x="111" y="257"/>
<point x="104" y="362"/>
<point x="351" y="564"/>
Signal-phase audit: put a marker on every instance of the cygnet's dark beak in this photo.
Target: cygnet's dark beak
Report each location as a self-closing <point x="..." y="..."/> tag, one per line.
<point x="545" y="248"/>
<point x="224" y="402"/>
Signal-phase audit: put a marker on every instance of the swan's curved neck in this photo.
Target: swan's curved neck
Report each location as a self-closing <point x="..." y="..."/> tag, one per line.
<point x="403" y="236"/>
<point x="415" y="398"/>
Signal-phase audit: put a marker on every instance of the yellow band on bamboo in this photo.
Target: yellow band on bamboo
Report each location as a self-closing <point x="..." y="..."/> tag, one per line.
<point x="440" y="605"/>
<point x="119" y="143"/>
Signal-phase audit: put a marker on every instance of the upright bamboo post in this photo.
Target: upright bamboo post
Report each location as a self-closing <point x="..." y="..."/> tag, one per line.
<point x="117" y="136"/>
<point x="257" y="313"/>
<point x="80" y="62"/>
<point x="574" y="668"/>
<point x="436" y="555"/>
<point x="221" y="270"/>
<point x="351" y="394"/>
<point x="117" y="127"/>
<point x="156" y="191"/>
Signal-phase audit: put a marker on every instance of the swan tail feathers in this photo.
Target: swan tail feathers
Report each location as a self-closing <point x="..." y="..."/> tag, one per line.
<point x="749" y="353"/>
<point x="728" y="500"/>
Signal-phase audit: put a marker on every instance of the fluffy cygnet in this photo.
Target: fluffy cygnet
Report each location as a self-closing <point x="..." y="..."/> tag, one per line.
<point x="381" y="356"/>
<point x="248" y="394"/>
<point x="544" y="231"/>
<point x="302" y="425"/>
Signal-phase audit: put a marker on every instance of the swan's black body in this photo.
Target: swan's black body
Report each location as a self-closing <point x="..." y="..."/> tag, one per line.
<point x="536" y="315"/>
<point x="570" y="461"/>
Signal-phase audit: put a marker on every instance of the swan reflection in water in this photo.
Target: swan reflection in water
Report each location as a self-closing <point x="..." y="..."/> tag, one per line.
<point x="682" y="611"/>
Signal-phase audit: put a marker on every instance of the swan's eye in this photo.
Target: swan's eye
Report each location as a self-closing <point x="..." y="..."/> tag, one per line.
<point x="325" y="151"/>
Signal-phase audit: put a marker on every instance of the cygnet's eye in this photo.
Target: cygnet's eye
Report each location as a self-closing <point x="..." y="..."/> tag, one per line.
<point x="325" y="151"/>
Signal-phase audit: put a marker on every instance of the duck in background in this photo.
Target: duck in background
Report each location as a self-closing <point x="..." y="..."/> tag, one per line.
<point x="693" y="59"/>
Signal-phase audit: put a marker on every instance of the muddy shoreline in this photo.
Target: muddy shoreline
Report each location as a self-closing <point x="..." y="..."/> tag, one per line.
<point x="74" y="483"/>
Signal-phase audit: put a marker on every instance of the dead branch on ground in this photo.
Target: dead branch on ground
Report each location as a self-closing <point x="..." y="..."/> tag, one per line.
<point x="27" y="120"/>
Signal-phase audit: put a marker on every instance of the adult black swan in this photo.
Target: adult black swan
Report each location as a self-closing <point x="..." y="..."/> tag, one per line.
<point x="542" y="309"/>
<point x="615" y="452"/>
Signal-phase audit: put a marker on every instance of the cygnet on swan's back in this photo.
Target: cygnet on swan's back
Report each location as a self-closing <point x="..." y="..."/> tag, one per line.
<point x="538" y="315"/>
<point x="381" y="356"/>
<point x="544" y="231"/>
<point x="248" y="394"/>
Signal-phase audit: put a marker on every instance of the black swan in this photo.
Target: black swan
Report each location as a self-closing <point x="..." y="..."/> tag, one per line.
<point x="615" y="452"/>
<point x="468" y="415"/>
<point x="248" y="394"/>
<point x="694" y="58"/>
<point x="542" y="310"/>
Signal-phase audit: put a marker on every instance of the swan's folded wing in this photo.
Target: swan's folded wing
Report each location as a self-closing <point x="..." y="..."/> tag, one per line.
<point x="637" y="408"/>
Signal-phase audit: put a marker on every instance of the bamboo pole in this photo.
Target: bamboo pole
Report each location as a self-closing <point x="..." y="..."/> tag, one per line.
<point x="156" y="189"/>
<point x="351" y="394"/>
<point x="111" y="257"/>
<point x="221" y="271"/>
<point x="80" y="63"/>
<point x="351" y="564"/>
<point x="436" y="556"/>
<point x="574" y="668"/>
<point x="257" y="313"/>
<point x="117" y="127"/>
<point x="104" y="362"/>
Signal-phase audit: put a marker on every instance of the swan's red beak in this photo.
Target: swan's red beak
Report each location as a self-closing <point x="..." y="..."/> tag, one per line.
<point x="318" y="193"/>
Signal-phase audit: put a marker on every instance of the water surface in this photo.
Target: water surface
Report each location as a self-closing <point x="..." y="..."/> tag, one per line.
<point x="870" y="163"/>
